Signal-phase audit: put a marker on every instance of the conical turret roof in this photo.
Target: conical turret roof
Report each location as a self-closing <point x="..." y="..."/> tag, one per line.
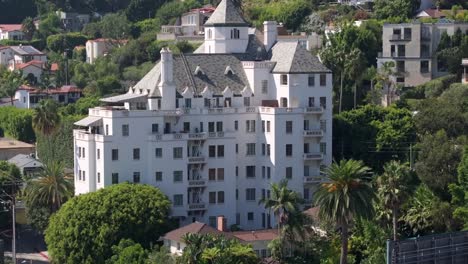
<point x="226" y="14"/>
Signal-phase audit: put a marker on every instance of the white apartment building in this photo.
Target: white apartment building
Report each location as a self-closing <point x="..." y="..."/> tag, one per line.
<point x="215" y="128"/>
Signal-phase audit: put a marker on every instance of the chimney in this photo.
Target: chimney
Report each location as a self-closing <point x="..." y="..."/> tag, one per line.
<point x="221" y="223"/>
<point x="166" y="66"/>
<point x="270" y="34"/>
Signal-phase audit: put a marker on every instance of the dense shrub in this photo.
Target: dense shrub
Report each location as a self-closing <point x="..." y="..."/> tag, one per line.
<point x="17" y="123"/>
<point x="61" y="42"/>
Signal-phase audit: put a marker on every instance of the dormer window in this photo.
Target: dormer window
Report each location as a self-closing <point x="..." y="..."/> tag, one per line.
<point x="198" y="71"/>
<point x="235" y="33"/>
<point x="284" y="79"/>
<point x="228" y="71"/>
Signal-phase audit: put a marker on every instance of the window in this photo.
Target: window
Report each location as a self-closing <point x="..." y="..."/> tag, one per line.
<point x="236" y="125"/>
<point x="289" y="150"/>
<point x="250" y="194"/>
<point x="158" y="152"/>
<point x="237" y="219"/>
<point x="98" y="177"/>
<point x="250" y="216"/>
<point x="268" y="172"/>
<point x="250" y="149"/>
<point x="400" y="66"/>
<point x="289" y="172"/>
<point x="136" y="177"/>
<point x="306" y="124"/>
<point x="155" y="128"/>
<point x="263" y="172"/>
<point x="115" y="154"/>
<point x="83" y="153"/>
<point x="235" y="33"/>
<point x="79" y="152"/>
<point x="136" y="154"/>
<point x="177" y="153"/>
<point x="401" y="50"/>
<point x="158" y="176"/>
<point x="115" y="178"/>
<point x="407" y="33"/>
<point x="212" y="151"/>
<point x="107" y="130"/>
<point x="323" y="79"/>
<point x="186" y="126"/>
<point x="178" y="199"/>
<point x="237" y="194"/>
<point x="263" y="149"/>
<point x="246" y="101"/>
<point x="268" y="149"/>
<point x="250" y="171"/>
<point x="424" y="66"/>
<point x="263" y="193"/>
<point x="188" y="103"/>
<point x="289" y="127"/>
<point x="178" y="176"/>
<point x="212" y="197"/>
<point x="237" y="171"/>
<point x="220" y="151"/>
<point x="268" y="126"/>
<point x="125" y="130"/>
<point x="264" y="86"/>
<point x="250" y="126"/>
<point x="219" y="126"/>
<point x="211" y="126"/>
<point x="210" y="34"/>
<point x="84" y="175"/>
<point x="263" y="225"/>
<point x="284" y="79"/>
<point x="323" y="125"/>
<point x="212" y="221"/>
<point x="323" y="102"/>
<point x="306" y="148"/>
<point x="284" y="102"/>
<point x="220" y="174"/>
<point x="306" y="171"/>
<point x="220" y="197"/>
<point x="212" y="174"/>
<point x="311" y="80"/>
<point x="98" y="153"/>
<point x="323" y="148"/>
<point x="306" y="194"/>
<point x="263" y="125"/>
<point x="237" y="148"/>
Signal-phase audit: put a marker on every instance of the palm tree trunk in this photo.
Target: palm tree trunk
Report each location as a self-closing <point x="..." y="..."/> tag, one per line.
<point x="11" y="100"/>
<point x="344" y="244"/>
<point x="341" y="91"/>
<point x="355" y="95"/>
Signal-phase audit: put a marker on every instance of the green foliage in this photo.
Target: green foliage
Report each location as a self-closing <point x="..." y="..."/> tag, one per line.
<point x="368" y="241"/>
<point x="291" y="13"/>
<point x="206" y="249"/>
<point x="171" y="10"/>
<point x="81" y="106"/>
<point x="49" y="25"/>
<point x="87" y="226"/>
<point x="113" y="26"/>
<point x="459" y="191"/>
<point x="99" y="78"/>
<point x="136" y="73"/>
<point x="17" y="123"/>
<point x="373" y="134"/>
<point x="28" y="28"/>
<point x="128" y="252"/>
<point x="160" y="255"/>
<point x="396" y="9"/>
<point x="9" y="82"/>
<point x="61" y="42"/>
<point x="38" y="216"/>
<point x="140" y="9"/>
<point x="438" y="159"/>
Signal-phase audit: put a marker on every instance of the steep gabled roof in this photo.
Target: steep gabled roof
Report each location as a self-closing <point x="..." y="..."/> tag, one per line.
<point x="290" y="57"/>
<point x="226" y="14"/>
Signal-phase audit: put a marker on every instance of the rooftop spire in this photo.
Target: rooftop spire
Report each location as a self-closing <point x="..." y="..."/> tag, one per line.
<point x="226" y="14"/>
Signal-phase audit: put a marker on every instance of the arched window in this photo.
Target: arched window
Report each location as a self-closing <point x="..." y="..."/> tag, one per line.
<point x="235" y="33"/>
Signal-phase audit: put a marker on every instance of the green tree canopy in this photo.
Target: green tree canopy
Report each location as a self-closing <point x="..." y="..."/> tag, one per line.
<point x="128" y="252"/>
<point x="400" y="9"/>
<point x="87" y="226"/>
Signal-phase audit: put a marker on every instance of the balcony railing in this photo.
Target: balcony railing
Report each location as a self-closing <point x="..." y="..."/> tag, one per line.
<point x="197" y="136"/>
<point x="196" y="206"/>
<point x="216" y="134"/>
<point x="315" y="179"/>
<point x="195" y="160"/>
<point x="313" y="133"/>
<point x="397" y="37"/>
<point x="196" y="183"/>
<point x="313" y="156"/>
<point x="314" y="110"/>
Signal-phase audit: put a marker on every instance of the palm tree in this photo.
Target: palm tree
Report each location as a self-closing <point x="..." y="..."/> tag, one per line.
<point x="392" y="189"/>
<point x="9" y="83"/>
<point x="384" y="78"/>
<point x="46" y="121"/>
<point x="52" y="187"/>
<point x="347" y="196"/>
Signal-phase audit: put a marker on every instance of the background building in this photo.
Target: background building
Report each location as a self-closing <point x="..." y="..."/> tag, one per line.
<point x="11" y="32"/>
<point x="214" y="129"/>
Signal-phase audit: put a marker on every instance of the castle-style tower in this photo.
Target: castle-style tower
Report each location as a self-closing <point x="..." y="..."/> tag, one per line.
<point x="226" y="31"/>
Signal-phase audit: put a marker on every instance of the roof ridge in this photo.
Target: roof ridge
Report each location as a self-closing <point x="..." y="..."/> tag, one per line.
<point x="187" y="71"/>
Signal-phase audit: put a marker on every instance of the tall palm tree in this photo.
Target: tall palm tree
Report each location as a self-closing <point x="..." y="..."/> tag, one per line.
<point x="46" y="118"/>
<point x="52" y="187"/>
<point x="284" y="203"/>
<point x="348" y="195"/>
<point x="393" y="189"/>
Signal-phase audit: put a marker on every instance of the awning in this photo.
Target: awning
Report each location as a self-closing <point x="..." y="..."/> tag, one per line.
<point x="125" y="98"/>
<point x="89" y="121"/>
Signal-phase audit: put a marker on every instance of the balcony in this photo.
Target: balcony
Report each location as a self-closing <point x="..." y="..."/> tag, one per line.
<point x="399" y="37"/>
<point x="196" y="206"/>
<point x="196" y="183"/>
<point x="197" y="136"/>
<point x="314" y="110"/>
<point x="216" y="134"/>
<point x="314" y="179"/>
<point x="196" y="160"/>
<point x="313" y="156"/>
<point x="313" y="133"/>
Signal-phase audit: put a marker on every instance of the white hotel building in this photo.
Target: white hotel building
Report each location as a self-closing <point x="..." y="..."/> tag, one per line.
<point x="215" y="128"/>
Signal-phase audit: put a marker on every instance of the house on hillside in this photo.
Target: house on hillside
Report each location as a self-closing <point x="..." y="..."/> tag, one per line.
<point x="100" y="47"/>
<point x="73" y="22"/>
<point x="28" y="97"/>
<point x="431" y="13"/>
<point x="10" y="56"/>
<point x="189" y="26"/>
<point x="27" y="164"/>
<point x="11" y="31"/>
<point x="9" y="148"/>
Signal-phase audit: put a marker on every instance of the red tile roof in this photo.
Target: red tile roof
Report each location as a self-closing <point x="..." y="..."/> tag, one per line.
<point x="193" y="228"/>
<point x="10" y="27"/>
<point x="434" y="13"/>
<point x="36" y="63"/>
<point x="62" y="90"/>
<point x="256" y="235"/>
